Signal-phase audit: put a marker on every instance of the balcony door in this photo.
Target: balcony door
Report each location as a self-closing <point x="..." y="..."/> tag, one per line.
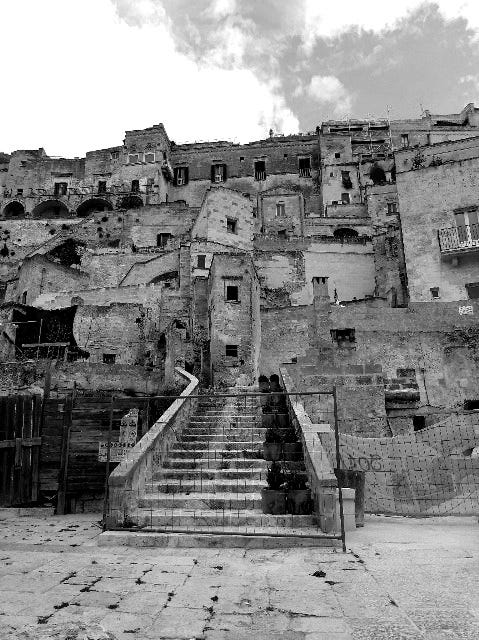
<point x="467" y="228"/>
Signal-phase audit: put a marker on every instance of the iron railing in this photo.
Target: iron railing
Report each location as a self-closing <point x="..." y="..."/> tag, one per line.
<point x="457" y="238"/>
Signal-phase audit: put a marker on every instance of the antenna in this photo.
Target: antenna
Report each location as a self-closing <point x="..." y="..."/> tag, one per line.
<point x="389" y="127"/>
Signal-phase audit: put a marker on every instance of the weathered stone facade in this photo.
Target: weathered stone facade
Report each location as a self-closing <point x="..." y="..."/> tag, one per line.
<point x="322" y="250"/>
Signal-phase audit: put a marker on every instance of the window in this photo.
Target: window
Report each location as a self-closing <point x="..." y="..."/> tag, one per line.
<point x="467" y="224"/>
<point x="135" y="186"/>
<point x="102" y="186"/>
<point x="109" y="358"/>
<point x="473" y="290"/>
<point x="241" y="158"/>
<point x="133" y="157"/>
<point x="280" y="209"/>
<point x="24" y="297"/>
<point x="304" y="167"/>
<point x="419" y="422"/>
<point x="114" y="155"/>
<point x="434" y="292"/>
<point x="60" y="188"/>
<point x="218" y="173"/>
<point x="345" y="198"/>
<point x="150" y="156"/>
<point x="231" y="350"/>
<point x="260" y="170"/>
<point x="331" y="175"/>
<point x="285" y="155"/>
<point x="337" y="155"/>
<point x="201" y="262"/>
<point x="162" y="239"/>
<point x="346" y="180"/>
<point x="19" y="192"/>
<point x="180" y="176"/>
<point x="343" y="336"/>
<point x="150" y="183"/>
<point x="231" y="225"/>
<point x="282" y="234"/>
<point x="232" y="293"/>
<point x="392" y="208"/>
<point x="404" y="140"/>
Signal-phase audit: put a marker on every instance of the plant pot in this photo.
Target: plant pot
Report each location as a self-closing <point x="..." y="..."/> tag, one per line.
<point x="292" y="451"/>
<point x="272" y="451"/>
<point x="273" y="501"/>
<point x="299" y="502"/>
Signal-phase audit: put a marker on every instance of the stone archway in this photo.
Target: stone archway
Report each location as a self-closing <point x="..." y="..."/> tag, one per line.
<point x="345" y="233"/>
<point x="93" y="205"/>
<point x="130" y="202"/>
<point x="14" y="209"/>
<point x="51" y="209"/>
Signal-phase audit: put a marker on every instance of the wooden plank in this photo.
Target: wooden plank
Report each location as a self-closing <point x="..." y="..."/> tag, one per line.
<point x="63" y="475"/>
<point x="11" y="434"/>
<point x="26" y="474"/>
<point x="36" y="435"/>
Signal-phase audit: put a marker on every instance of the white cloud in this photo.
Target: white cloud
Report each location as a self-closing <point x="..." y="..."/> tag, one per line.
<point x="78" y="89"/>
<point x="329" y="89"/>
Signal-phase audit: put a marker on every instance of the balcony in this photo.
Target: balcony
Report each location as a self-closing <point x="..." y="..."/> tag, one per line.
<point x="458" y="241"/>
<point x="260" y="175"/>
<point x="305" y="172"/>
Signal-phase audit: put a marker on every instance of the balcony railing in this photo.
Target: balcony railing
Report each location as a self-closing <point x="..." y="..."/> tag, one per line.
<point x="305" y="173"/>
<point x="456" y="240"/>
<point x="260" y="175"/>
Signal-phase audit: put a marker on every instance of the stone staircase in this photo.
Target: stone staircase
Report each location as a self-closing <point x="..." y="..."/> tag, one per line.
<point x="212" y="479"/>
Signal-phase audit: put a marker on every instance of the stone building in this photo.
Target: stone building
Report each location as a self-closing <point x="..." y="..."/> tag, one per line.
<point x="349" y="253"/>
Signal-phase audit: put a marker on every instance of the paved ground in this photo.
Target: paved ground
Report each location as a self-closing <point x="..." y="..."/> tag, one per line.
<point x="402" y="579"/>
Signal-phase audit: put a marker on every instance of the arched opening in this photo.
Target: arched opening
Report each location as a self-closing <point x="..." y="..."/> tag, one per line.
<point x="92" y="205"/>
<point x="51" y="209"/>
<point x="130" y="202"/>
<point x="14" y="209"/>
<point x="344" y="233"/>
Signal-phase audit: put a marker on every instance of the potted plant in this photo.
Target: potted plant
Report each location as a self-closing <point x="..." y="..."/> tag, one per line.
<point x="292" y="449"/>
<point x="298" y="494"/>
<point x="272" y="444"/>
<point x="273" y="497"/>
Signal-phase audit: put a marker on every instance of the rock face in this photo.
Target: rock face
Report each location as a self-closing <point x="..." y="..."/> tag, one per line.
<point x="67" y="631"/>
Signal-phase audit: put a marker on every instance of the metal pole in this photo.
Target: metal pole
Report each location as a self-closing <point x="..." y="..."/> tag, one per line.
<point x="107" y="465"/>
<point x="338" y="466"/>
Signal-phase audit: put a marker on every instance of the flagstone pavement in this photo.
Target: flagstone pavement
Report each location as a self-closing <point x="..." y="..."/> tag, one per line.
<point x="400" y="579"/>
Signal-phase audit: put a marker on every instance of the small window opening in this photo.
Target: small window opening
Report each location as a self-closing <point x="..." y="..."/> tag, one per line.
<point x="343" y="336"/>
<point x="345" y="198"/>
<point x="241" y="158"/>
<point x="419" y="422"/>
<point x="162" y="239"/>
<point x="392" y="208"/>
<point x="280" y="209"/>
<point x="102" y="186"/>
<point x="331" y="175"/>
<point x="434" y="292"/>
<point x="19" y="192"/>
<point x="201" y="262"/>
<point x="231" y="350"/>
<point x="109" y="358"/>
<point x="231" y="225"/>
<point x="180" y="177"/>
<point x="304" y="167"/>
<point x="135" y="186"/>
<point x="133" y="157"/>
<point x="150" y="156"/>
<point x="346" y="180"/>
<point x="260" y="170"/>
<point x="282" y="234"/>
<point x="337" y="155"/>
<point x="232" y="293"/>
<point x="114" y="155"/>
<point x="24" y="297"/>
<point x="60" y="188"/>
<point x="405" y="140"/>
<point x="472" y="290"/>
<point x="471" y="405"/>
<point x="218" y="173"/>
<point x="285" y="155"/>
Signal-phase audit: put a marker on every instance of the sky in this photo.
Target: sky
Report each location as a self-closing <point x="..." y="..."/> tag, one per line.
<point x="75" y="74"/>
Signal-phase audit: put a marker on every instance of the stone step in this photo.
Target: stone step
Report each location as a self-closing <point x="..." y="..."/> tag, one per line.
<point x="207" y="463"/>
<point x="214" y="474"/>
<point x="207" y="417"/>
<point x="193" y="518"/>
<point x="215" y="454"/>
<point x="221" y="538"/>
<point x="217" y="430"/>
<point x="220" y="444"/>
<point x="222" y="485"/>
<point x="202" y="500"/>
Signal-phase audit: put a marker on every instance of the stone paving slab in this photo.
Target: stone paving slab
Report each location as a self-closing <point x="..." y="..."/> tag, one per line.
<point x="401" y="579"/>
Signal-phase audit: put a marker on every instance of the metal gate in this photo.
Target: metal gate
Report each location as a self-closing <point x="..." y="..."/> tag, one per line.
<point x="20" y="442"/>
